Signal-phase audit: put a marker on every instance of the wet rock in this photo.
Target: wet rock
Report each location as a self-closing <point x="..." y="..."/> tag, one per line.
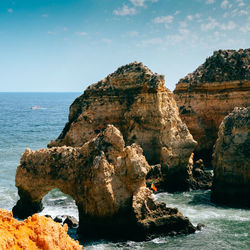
<point x="212" y="91"/>
<point x="231" y="160"/>
<point x="60" y="218"/>
<point x="71" y="222"/>
<point x="199" y="226"/>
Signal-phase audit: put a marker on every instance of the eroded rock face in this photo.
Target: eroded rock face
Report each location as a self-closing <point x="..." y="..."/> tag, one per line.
<point x="104" y="178"/>
<point x="135" y="101"/>
<point x="37" y="232"/>
<point x="207" y="95"/>
<point x="231" y="160"/>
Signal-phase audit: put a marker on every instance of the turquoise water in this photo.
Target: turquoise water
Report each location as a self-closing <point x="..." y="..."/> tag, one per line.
<point x="21" y="127"/>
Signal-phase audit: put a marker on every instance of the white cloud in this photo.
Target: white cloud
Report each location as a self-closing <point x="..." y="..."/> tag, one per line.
<point x="45" y="15"/>
<point x="10" y="10"/>
<point x="51" y="32"/>
<point x="237" y="12"/>
<point x="210" y="1"/>
<point x="133" y="33"/>
<point x="190" y="17"/>
<point x="138" y="2"/>
<point x="124" y="11"/>
<point x="177" y="12"/>
<point x="240" y="3"/>
<point x="153" y="41"/>
<point x="183" y="24"/>
<point x="225" y="15"/>
<point x="210" y="25"/>
<point x="225" y="4"/>
<point x="141" y="3"/>
<point x="245" y="28"/>
<point x="81" y="33"/>
<point x="229" y="26"/>
<point x="166" y="20"/>
<point x="174" y="39"/>
<point x="183" y="31"/>
<point x="163" y="19"/>
<point x="197" y="15"/>
<point x="106" y="40"/>
<point x="130" y="34"/>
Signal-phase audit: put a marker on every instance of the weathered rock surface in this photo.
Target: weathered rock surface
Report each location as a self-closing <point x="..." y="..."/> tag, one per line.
<point x="207" y="95"/>
<point x="201" y="178"/>
<point x="37" y="232"/>
<point x="107" y="181"/>
<point x="135" y="101"/>
<point x="231" y="160"/>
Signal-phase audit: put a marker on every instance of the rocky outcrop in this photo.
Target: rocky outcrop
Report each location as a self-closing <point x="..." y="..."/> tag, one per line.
<point x="37" y="232"/>
<point x="107" y="182"/>
<point x="201" y="178"/>
<point x="231" y="160"/>
<point x="135" y="101"/>
<point x="207" y="95"/>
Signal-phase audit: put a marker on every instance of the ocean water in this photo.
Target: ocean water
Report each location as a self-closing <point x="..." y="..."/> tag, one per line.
<point x="22" y="127"/>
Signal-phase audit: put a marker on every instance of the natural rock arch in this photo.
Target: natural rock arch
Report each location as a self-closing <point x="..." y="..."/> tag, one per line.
<point x="107" y="181"/>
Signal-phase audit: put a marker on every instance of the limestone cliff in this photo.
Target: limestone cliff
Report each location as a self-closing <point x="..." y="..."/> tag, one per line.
<point x="135" y="101"/>
<point x="231" y="160"/>
<point x="37" y="232"/>
<point x="207" y="95"/>
<point x="107" y="181"/>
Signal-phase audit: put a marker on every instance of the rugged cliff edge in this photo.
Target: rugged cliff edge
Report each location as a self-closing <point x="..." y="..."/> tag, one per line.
<point x="207" y="95"/>
<point x="135" y="101"/>
<point x="231" y="160"/>
<point x="37" y="232"/>
<point x="107" y="181"/>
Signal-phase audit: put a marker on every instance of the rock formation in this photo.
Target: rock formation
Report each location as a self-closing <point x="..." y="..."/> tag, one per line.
<point x="107" y="182"/>
<point x="135" y="101"/>
<point x="207" y="95"/>
<point x="231" y="160"/>
<point x="37" y="232"/>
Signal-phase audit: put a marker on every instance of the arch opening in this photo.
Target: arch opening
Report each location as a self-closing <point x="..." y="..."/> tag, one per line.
<point x="55" y="203"/>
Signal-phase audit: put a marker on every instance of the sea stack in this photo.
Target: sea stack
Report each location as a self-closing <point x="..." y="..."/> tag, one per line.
<point x="107" y="181"/>
<point x="231" y="160"/>
<point x="135" y="101"/>
<point x="207" y="95"/>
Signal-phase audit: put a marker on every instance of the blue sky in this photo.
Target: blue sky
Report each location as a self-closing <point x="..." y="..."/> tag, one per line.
<point x="65" y="45"/>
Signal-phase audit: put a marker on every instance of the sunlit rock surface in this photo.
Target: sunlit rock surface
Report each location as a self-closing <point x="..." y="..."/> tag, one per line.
<point x="36" y="232"/>
<point x="107" y="182"/>
<point x="231" y="160"/>
<point x="136" y="101"/>
<point x="207" y="95"/>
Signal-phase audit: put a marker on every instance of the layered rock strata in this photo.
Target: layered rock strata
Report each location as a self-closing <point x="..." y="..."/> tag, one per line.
<point x="37" y="232"/>
<point x="135" y="101"/>
<point x="107" y="182"/>
<point x="207" y="95"/>
<point x="231" y="160"/>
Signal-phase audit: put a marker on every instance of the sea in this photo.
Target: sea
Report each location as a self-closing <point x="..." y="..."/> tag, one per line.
<point x="22" y="126"/>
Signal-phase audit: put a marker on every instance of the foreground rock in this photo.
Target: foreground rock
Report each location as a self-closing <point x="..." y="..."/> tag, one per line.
<point x="37" y="232"/>
<point x="231" y="160"/>
<point x="207" y="95"/>
<point x="107" y="182"/>
<point x="135" y="101"/>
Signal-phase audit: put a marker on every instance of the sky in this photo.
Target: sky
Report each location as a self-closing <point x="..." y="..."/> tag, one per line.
<point x="66" y="45"/>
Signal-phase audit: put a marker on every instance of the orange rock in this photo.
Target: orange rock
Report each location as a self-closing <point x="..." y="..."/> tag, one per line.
<point x="36" y="232"/>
